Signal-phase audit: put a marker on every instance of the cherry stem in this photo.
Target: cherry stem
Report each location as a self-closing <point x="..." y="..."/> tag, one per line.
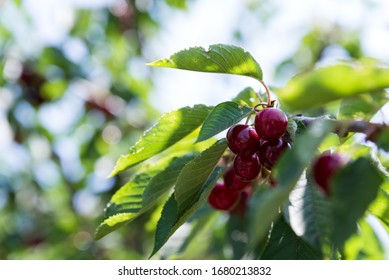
<point x="267" y="93"/>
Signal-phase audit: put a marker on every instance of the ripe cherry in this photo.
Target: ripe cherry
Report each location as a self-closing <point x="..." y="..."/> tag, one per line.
<point x="247" y="169"/>
<point x="222" y="198"/>
<point x="324" y="168"/>
<point x="270" y="123"/>
<point x="232" y="181"/>
<point x="243" y="140"/>
<point x="241" y="207"/>
<point x="270" y="151"/>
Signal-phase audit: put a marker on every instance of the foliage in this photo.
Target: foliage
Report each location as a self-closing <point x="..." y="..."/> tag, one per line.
<point x="293" y="219"/>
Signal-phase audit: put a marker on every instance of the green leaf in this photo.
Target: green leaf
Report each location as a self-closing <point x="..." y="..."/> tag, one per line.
<point x="365" y="245"/>
<point x="180" y="4"/>
<point x="383" y="140"/>
<point x="223" y="116"/>
<point x="171" y="128"/>
<point x="309" y="215"/>
<point x="354" y="187"/>
<point x="362" y="106"/>
<point x="141" y="193"/>
<point x="323" y="85"/>
<point x="225" y="59"/>
<point x="380" y="206"/>
<point x="194" y="175"/>
<point x="265" y="203"/>
<point x="171" y="219"/>
<point x="247" y="97"/>
<point x="284" y="244"/>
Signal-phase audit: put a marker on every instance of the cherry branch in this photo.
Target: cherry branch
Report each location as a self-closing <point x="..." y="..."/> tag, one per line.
<point x="343" y="127"/>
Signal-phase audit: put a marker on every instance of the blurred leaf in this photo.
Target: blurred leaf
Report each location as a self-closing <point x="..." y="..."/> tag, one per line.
<point x="265" y="203"/>
<point x="383" y="140"/>
<point x="284" y="244"/>
<point x="380" y="206"/>
<point x="247" y="97"/>
<point x="141" y="193"/>
<point x="237" y="236"/>
<point x="309" y="215"/>
<point x="354" y="187"/>
<point x="219" y="58"/>
<point x="170" y="129"/>
<point x="180" y="4"/>
<point x="53" y="89"/>
<point x="171" y="220"/>
<point x="323" y="85"/>
<point x="364" y="245"/>
<point x="194" y="175"/>
<point x="362" y="106"/>
<point x="223" y="116"/>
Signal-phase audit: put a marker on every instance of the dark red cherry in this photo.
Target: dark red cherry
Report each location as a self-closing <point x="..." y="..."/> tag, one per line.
<point x="243" y="140"/>
<point x="247" y="169"/>
<point x="271" y="123"/>
<point x="222" y="198"/>
<point x="241" y="207"/>
<point x="270" y="152"/>
<point x="232" y="181"/>
<point x="324" y="168"/>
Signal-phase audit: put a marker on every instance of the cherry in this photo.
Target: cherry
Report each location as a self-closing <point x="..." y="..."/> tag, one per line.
<point x="270" y="151"/>
<point x="241" y="207"/>
<point x="232" y="181"/>
<point x="270" y="123"/>
<point x="243" y="140"/>
<point x="324" y="168"/>
<point x="223" y="198"/>
<point x="247" y="169"/>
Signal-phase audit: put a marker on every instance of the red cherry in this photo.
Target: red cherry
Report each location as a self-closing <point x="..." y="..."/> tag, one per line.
<point x="247" y="169"/>
<point x="324" y="168"/>
<point x="241" y="208"/>
<point x="243" y="140"/>
<point x="270" y="151"/>
<point x="271" y="123"/>
<point x="222" y="198"/>
<point x="232" y="181"/>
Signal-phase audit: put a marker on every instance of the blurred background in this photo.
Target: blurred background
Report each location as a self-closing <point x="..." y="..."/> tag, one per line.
<point x="75" y="94"/>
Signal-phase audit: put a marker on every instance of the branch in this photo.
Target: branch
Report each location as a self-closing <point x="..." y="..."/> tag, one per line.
<point x="343" y="127"/>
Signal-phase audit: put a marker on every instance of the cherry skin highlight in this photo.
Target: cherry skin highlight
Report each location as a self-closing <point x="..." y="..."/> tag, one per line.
<point x="270" y="123"/>
<point x="222" y="198"/>
<point x="243" y="140"/>
<point x="247" y="169"/>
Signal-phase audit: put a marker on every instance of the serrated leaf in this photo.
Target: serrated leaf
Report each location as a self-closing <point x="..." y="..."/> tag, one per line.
<point x="380" y="206"/>
<point x="171" y="128"/>
<point x="220" y="58"/>
<point x="223" y="116"/>
<point x="195" y="174"/>
<point x="323" y="85"/>
<point x="247" y="97"/>
<point x="140" y="194"/>
<point x="362" y="106"/>
<point x="171" y="219"/>
<point x="309" y="215"/>
<point x="265" y="203"/>
<point x="284" y="244"/>
<point x="354" y="187"/>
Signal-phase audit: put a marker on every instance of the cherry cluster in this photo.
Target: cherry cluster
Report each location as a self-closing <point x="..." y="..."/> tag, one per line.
<point x="257" y="148"/>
